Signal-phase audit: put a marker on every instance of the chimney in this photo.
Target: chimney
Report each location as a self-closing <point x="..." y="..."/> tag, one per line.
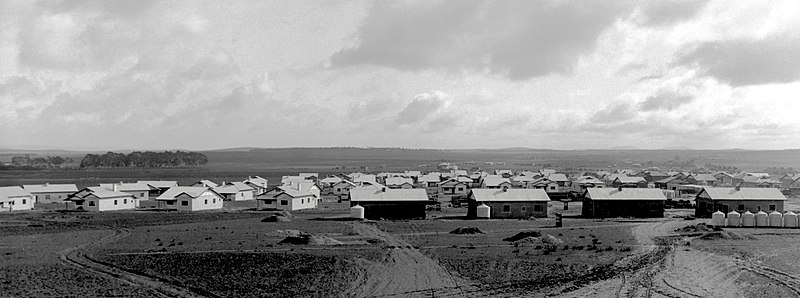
<point x="738" y="187"/>
<point x="115" y="187"/>
<point x="619" y="188"/>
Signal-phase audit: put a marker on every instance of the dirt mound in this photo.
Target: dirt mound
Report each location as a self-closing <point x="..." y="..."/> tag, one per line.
<point x="308" y="239"/>
<point x="698" y="228"/>
<point x="546" y="239"/>
<point x="276" y="218"/>
<point x="466" y="230"/>
<point x="725" y="235"/>
<point x="523" y="235"/>
<point x="287" y="233"/>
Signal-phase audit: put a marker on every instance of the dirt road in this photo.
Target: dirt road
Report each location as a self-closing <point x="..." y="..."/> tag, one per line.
<point x="77" y="256"/>
<point x="405" y="273"/>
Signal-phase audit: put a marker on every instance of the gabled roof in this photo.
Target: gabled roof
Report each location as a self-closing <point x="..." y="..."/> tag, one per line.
<point x="206" y="182"/>
<point x="370" y="194"/>
<point x="509" y="195"/>
<point x="97" y="191"/>
<point x="452" y="181"/>
<point x="160" y="183"/>
<point x="308" y="175"/>
<point x="495" y="181"/>
<point x="705" y="177"/>
<point x="730" y="193"/>
<point x="192" y="191"/>
<point x="588" y="180"/>
<point x="365" y="177"/>
<point x="628" y="194"/>
<point x="123" y="187"/>
<point x="13" y="192"/>
<point x="668" y="179"/>
<point x="396" y="181"/>
<point x="256" y="180"/>
<point x="522" y="178"/>
<point x="558" y="177"/>
<point x="345" y="182"/>
<point x="233" y="187"/>
<point x="429" y="178"/>
<point x="464" y="179"/>
<point x="331" y="179"/>
<point x="46" y="188"/>
<point x="626" y="179"/>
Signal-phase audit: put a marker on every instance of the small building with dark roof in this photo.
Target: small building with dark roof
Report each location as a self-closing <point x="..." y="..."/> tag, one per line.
<point x="623" y="202"/>
<point x="726" y="199"/>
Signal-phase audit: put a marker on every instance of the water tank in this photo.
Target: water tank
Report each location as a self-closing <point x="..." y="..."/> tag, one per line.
<point x="775" y="219"/>
<point x="761" y="219"/>
<point x="734" y="219"/>
<point x="718" y="219"/>
<point x="748" y="219"/>
<point x="357" y="212"/>
<point x="790" y="219"/>
<point x="484" y="211"/>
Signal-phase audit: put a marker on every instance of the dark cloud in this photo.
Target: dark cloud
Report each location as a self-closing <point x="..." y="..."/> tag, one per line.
<point x="666" y="101"/>
<point x="748" y="62"/>
<point x="517" y="39"/>
<point x="660" y="13"/>
<point x="615" y="113"/>
<point x="420" y="108"/>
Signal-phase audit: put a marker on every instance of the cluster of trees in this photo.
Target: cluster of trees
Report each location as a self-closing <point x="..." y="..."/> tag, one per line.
<point x="721" y="168"/>
<point x="25" y="161"/>
<point x="145" y="159"/>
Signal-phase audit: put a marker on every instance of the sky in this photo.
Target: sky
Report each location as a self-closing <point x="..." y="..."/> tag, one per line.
<point x="157" y="75"/>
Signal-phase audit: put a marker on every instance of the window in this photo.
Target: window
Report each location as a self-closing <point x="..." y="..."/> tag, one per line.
<point x="91" y="203"/>
<point x="506" y="208"/>
<point x="772" y="208"/>
<point x="46" y="197"/>
<point x="552" y="188"/>
<point x="115" y="202"/>
<point x="740" y="207"/>
<point x="537" y="208"/>
<point x="284" y="202"/>
<point x="206" y="202"/>
<point x="214" y="200"/>
<point x="523" y="209"/>
<point x="184" y="203"/>
<point x="170" y="203"/>
<point x="124" y="201"/>
<point x="24" y="201"/>
<point x="141" y="195"/>
<point x="78" y="203"/>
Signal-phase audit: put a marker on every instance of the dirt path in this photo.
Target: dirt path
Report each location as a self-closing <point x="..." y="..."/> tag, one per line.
<point x="405" y="273"/>
<point x="77" y="256"/>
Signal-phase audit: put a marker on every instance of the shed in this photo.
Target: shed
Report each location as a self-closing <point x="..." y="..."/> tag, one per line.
<point x="50" y="193"/>
<point x="623" y="202"/>
<point x="509" y="203"/>
<point x="725" y="199"/>
<point x="191" y="198"/>
<point x="390" y="203"/>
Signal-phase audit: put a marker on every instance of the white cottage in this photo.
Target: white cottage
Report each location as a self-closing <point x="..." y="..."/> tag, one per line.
<point x="15" y="198"/>
<point x="290" y="197"/>
<point x="100" y="199"/>
<point x="50" y="193"/>
<point x="191" y="198"/>
<point x="235" y="191"/>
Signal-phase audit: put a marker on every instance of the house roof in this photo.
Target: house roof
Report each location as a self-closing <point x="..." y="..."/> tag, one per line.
<point x="667" y="180"/>
<point x="657" y="174"/>
<point x="494" y="181"/>
<point x="628" y="194"/>
<point x="429" y="178"/>
<point x="127" y="186"/>
<point x="509" y="195"/>
<point x="308" y="175"/>
<point x="626" y="179"/>
<point x="332" y="179"/>
<point x="705" y="177"/>
<point x="588" y="179"/>
<point x="233" y="187"/>
<point x="730" y="193"/>
<point x="392" y="181"/>
<point x="256" y="180"/>
<point x="100" y="192"/>
<point x="558" y="177"/>
<point x="371" y="194"/>
<point x="45" y="188"/>
<point x="365" y="177"/>
<point x="206" y="182"/>
<point x="160" y="183"/>
<point x="193" y="191"/>
<point x="13" y="192"/>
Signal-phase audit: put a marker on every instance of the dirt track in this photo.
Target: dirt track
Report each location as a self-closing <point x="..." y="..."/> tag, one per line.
<point x="77" y="257"/>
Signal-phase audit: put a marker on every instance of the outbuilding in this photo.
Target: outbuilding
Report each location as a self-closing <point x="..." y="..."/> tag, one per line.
<point x="290" y="197"/>
<point x="623" y="202"/>
<point x="235" y="191"/>
<point x="509" y="203"/>
<point x="390" y="203"/>
<point x="191" y="198"/>
<point x="99" y="198"/>
<point x="727" y="199"/>
<point x="15" y="198"/>
<point x="50" y="193"/>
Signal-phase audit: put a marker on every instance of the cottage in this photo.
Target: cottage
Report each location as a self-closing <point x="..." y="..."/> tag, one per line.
<point x="496" y="182"/>
<point x="100" y="199"/>
<point x="159" y="187"/>
<point x="342" y="188"/>
<point x="726" y="199"/>
<point x="623" y="202"/>
<point x="191" y="198"/>
<point x="653" y="176"/>
<point x="50" y="193"/>
<point x="258" y="184"/>
<point x="723" y="179"/>
<point x="15" y="198"/>
<point x="139" y="191"/>
<point x="560" y="179"/>
<point x="430" y="182"/>
<point x="206" y="183"/>
<point x="290" y="197"/>
<point x="365" y="178"/>
<point x="629" y="182"/>
<point x="453" y="187"/>
<point x="509" y="203"/>
<point x="399" y="182"/>
<point x="390" y="203"/>
<point x="235" y="191"/>
<point x="583" y="182"/>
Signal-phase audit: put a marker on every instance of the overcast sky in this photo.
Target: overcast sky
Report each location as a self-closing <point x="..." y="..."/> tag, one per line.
<point x="421" y="74"/>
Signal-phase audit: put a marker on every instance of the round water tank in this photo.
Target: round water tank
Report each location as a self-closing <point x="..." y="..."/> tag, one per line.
<point x="484" y="211"/>
<point x="748" y="219"/>
<point x="357" y="212"/>
<point x="734" y="219"/>
<point x="718" y="219"/>
<point x="790" y="219"/>
<point x="775" y="219"/>
<point x="761" y="219"/>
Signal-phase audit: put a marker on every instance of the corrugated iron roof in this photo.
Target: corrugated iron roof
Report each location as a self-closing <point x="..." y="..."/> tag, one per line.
<point x="127" y="186"/>
<point x="192" y="191"/>
<point x="396" y="181"/>
<point x="49" y="188"/>
<point x="160" y="183"/>
<point x="730" y="193"/>
<point x="370" y="194"/>
<point x="628" y="194"/>
<point x="100" y="192"/>
<point x="13" y="192"/>
<point x="509" y="195"/>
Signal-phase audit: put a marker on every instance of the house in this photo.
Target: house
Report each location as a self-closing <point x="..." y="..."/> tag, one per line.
<point x="159" y="187"/>
<point x="206" y="183"/>
<point x="790" y="181"/>
<point x="399" y="182"/>
<point x="342" y="188"/>
<point x="365" y="178"/>
<point x="496" y="182"/>
<point x="546" y="172"/>
<point x="584" y="182"/>
<point x="726" y="199"/>
<point x="629" y="182"/>
<point x="235" y="191"/>
<point x="723" y="179"/>
<point x="15" y="198"/>
<point x="705" y="179"/>
<point x="560" y="179"/>
<point x="50" y="193"/>
<point x="290" y="179"/>
<point x="430" y="182"/>
<point x="258" y="184"/>
<point x="140" y="191"/>
<point x="653" y="176"/>
<point x="509" y="203"/>
<point x="329" y="181"/>
<point x="543" y="183"/>
<point x="454" y="187"/>
<point x="101" y="199"/>
<point x="191" y="198"/>
<point x="294" y="196"/>
<point x="623" y="202"/>
<point x="390" y="203"/>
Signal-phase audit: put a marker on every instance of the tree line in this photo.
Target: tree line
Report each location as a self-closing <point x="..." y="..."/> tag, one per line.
<point x="147" y="159"/>
<point x="25" y="161"/>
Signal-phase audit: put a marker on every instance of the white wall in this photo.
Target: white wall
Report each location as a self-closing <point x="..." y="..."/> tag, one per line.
<point x="296" y="203"/>
<point x="18" y="203"/>
<point x="207" y="201"/>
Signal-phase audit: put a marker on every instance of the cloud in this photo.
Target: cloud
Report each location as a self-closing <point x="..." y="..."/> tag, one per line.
<point x="747" y="62"/>
<point x="664" y="101"/>
<point x="423" y="106"/>
<point x="661" y="13"/>
<point x="516" y="39"/>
